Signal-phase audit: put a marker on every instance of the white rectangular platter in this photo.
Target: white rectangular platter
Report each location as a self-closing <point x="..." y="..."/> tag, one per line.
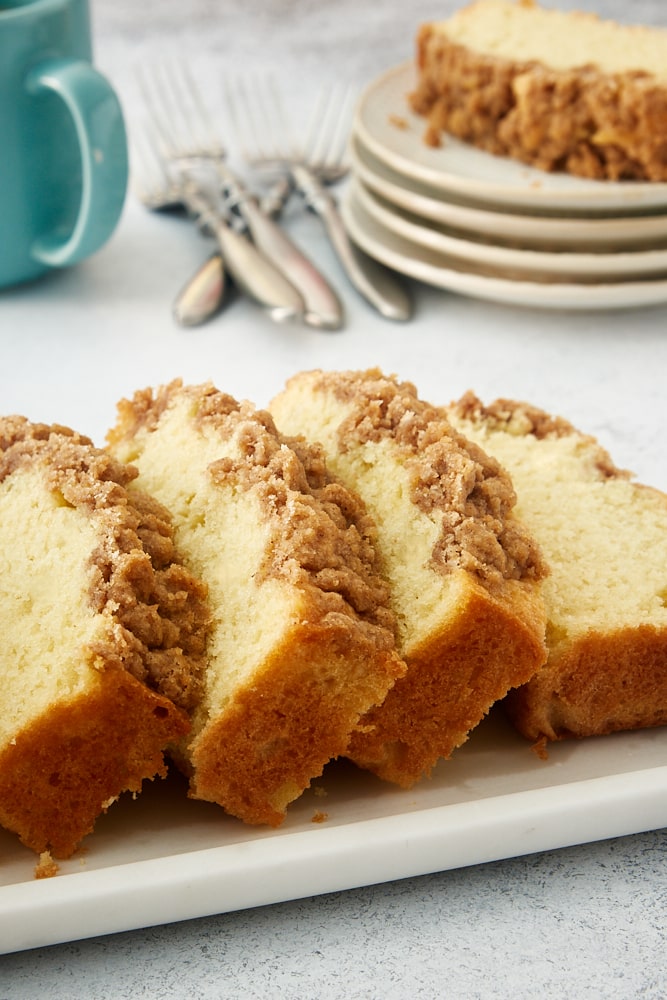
<point x="161" y="858"/>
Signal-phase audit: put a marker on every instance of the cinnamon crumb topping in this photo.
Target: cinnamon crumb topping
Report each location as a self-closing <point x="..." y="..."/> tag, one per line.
<point x="159" y="609"/>
<point x="449" y="474"/>
<point x="524" y="419"/>
<point x="324" y="539"/>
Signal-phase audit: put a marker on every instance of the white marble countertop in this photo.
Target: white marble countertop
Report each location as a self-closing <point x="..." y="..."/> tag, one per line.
<point x="583" y="921"/>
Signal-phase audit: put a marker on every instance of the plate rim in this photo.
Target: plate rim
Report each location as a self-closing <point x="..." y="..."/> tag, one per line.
<point x="542" y="295"/>
<point x="603" y="264"/>
<point x="486" y="220"/>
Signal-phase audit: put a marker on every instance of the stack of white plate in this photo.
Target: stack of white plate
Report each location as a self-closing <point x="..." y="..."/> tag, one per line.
<point x="485" y="226"/>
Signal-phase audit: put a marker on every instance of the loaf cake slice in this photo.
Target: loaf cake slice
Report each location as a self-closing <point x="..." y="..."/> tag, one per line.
<point x="302" y="642"/>
<point x="464" y="574"/>
<point x="103" y="634"/>
<point x="605" y="538"/>
<point x="558" y="90"/>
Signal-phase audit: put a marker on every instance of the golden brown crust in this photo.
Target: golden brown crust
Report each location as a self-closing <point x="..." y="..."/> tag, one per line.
<point x="452" y="682"/>
<point x="605" y="683"/>
<point x="268" y="745"/>
<point x="583" y="121"/>
<point x="66" y="768"/>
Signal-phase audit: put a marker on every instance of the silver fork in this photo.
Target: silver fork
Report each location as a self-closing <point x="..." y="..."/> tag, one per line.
<point x="198" y="142"/>
<point x="205" y="292"/>
<point x="266" y="144"/>
<point x="190" y="179"/>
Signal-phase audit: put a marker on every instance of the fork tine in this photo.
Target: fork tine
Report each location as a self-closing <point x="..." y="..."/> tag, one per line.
<point x="327" y="142"/>
<point x="315" y="133"/>
<point x="158" y="124"/>
<point x="178" y="111"/>
<point x="346" y="111"/>
<point x="280" y="119"/>
<point x="321" y="164"/>
<point x="263" y="133"/>
<point x="243" y="120"/>
<point x="209" y="137"/>
<point x="151" y="179"/>
<point x="255" y="110"/>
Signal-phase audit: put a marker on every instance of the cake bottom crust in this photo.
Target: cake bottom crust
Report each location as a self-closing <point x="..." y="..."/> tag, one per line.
<point x="453" y="679"/>
<point x="62" y="771"/>
<point x="281" y="729"/>
<point x="604" y="683"/>
<point x="579" y="121"/>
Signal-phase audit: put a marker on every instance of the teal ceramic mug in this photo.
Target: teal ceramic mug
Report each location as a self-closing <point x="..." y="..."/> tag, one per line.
<point x="63" y="147"/>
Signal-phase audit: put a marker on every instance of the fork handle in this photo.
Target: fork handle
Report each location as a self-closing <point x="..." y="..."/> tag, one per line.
<point x="251" y="271"/>
<point x="257" y="276"/>
<point x="323" y="307"/>
<point x="378" y="285"/>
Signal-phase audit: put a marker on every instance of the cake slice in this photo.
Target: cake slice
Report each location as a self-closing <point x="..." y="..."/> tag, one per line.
<point x="103" y="633"/>
<point x="302" y="642"/>
<point x="558" y="90"/>
<point x="605" y="538"/>
<point x="464" y="575"/>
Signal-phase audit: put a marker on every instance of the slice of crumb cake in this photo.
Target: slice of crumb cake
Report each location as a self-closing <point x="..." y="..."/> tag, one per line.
<point x="464" y="574"/>
<point x="103" y="633"/>
<point x="605" y="538"/>
<point x="302" y="642"/>
<point x="562" y="90"/>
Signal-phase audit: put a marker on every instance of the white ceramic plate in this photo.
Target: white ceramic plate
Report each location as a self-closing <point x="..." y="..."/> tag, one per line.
<point x="531" y="230"/>
<point x="566" y="266"/>
<point x="163" y="858"/>
<point x="462" y="169"/>
<point x="494" y="284"/>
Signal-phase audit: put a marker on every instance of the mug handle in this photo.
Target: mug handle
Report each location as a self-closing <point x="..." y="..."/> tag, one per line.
<point x="100" y="130"/>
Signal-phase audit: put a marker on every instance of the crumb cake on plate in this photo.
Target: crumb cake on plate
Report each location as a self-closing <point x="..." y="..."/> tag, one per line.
<point x="559" y="90"/>
<point x="103" y="634"/>
<point x="464" y="574"/>
<point x="302" y="642"/>
<point x="605" y="539"/>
